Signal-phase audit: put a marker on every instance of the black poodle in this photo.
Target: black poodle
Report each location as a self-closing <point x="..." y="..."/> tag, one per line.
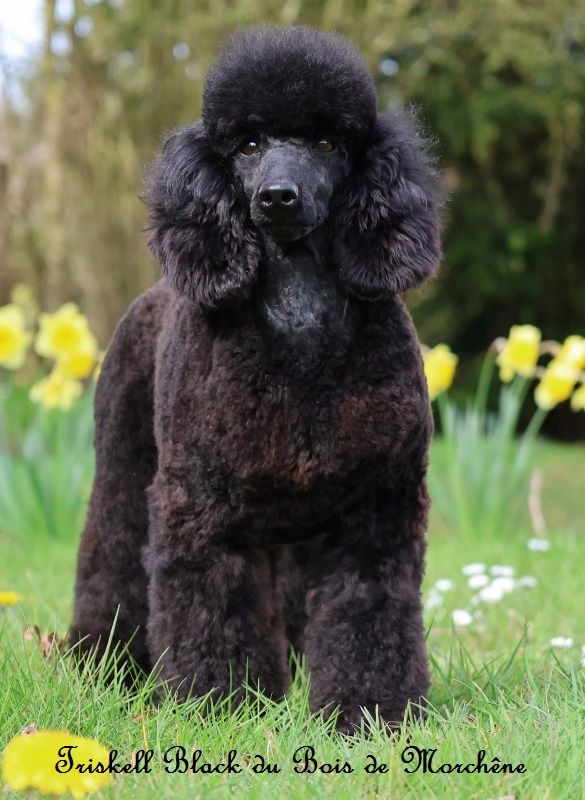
<point x="262" y="419"/>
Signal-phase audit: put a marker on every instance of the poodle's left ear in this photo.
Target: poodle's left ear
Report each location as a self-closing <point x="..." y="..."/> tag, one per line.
<point x="199" y="228"/>
<point x="386" y="225"/>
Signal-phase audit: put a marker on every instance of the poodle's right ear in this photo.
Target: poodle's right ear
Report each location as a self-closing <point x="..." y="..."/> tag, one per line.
<point x="199" y="229"/>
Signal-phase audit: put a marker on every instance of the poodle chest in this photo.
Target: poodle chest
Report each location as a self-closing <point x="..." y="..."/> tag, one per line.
<point x="291" y="420"/>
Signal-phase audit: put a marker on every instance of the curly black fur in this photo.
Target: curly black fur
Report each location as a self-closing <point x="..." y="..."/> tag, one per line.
<point x="258" y="487"/>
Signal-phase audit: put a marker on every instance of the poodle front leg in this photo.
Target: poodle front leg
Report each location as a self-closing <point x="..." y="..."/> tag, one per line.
<point x="364" y="639"/>
<point x="214" y="621"/>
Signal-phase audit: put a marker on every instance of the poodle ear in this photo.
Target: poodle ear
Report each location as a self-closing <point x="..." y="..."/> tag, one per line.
<point x="199" y="229"/>
<point x="386" y="226"/>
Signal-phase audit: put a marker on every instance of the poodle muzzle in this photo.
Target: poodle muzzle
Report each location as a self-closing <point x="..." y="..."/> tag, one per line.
<point x="289" y="186"/>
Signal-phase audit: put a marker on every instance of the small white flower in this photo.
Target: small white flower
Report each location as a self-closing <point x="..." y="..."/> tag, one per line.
<point x="473" y="569"/>
<point x="527" y="582"/>
<point x="502" y="571"/>
<point x="583" y="660"/>
<point x="505" y="585"/>
<point x="491" y="594"/>
<point x="444" y="585"/>
<point x="478" y="581"/>
<point x="461" y="617"/>
<point x="539" y="544"/>
<point x="434" y="599"/>
<point x="560" y="641"/>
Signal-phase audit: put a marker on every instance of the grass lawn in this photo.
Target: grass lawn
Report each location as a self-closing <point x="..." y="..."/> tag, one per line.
<point x="498" y="685"/>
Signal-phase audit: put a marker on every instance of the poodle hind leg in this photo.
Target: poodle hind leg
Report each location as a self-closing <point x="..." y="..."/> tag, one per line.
<point x="111" y="582"/>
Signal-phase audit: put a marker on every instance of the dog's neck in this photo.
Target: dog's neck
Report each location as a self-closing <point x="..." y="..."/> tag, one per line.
<point x="298" y="292"/>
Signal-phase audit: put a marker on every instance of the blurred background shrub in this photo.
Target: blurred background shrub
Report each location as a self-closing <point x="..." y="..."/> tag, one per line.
<point x="500" y="85"/>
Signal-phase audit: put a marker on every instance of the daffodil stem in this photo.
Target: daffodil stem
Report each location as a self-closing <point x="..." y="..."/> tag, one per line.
<point x="484" y="382"/>
<point x="463" y="514"/>
<point x="534" y="426"/>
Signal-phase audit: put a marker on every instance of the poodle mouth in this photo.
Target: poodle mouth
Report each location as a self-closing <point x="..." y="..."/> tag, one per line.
<point x="286" y="233"/>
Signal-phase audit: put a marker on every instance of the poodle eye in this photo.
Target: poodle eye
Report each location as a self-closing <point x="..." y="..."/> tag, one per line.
<point x="325" y="146"/>
<point x="250" y="148"/>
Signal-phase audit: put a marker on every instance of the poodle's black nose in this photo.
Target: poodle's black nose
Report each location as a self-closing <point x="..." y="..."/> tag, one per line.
<point x="279" y="197"/>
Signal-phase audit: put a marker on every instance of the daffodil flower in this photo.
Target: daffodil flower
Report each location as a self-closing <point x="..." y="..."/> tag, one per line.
<point x="573" y="352"/>
<point x="578" y="399"/>
<point x="64" y="333"/>
<point x="23" y="296"/>
<point x="556" y="385"/>
<point x="29" y="762"/>
<point x="520" y="353"/>
<point x="78" y="364"/>
<point x="57" y="390"/>
<point x="9" y="598"/>
<point x="439" y="365"/>
<point x="14" y="338"/>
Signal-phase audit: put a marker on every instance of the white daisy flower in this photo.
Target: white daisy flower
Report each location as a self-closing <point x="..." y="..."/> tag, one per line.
<point x="527" y="582"/>
<point x="473" y="569"/>
<point x="501" y="571"/>
<point x="434" y="599"/>
<point x="504" y="584"/>
<point x="478" y="581"/>
<point x="461" y="618"/>
<point x="444" y="585"/>
<point x="561" y="641"/>
<point x="541" y="545"/>
<point x="491" y="594"/>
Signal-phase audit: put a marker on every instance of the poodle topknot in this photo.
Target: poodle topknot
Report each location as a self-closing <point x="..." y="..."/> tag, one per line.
<point x="262" y="416"/>
<point x="264" y="77"/>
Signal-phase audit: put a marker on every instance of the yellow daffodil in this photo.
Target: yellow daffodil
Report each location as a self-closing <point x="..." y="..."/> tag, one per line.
<point x="64" y="333"/>
<point x="57" y="390"/>
<point x="520" y="353"/>
<point x="440" y="364"/>
<point x="578" y="399"/>
<point x="29" y="762"/>
<point x="9" y="598"/>
<point x="23" y="296"/>
<point x="573" y="352"/>
<point x="78" y="364"/>
<point x="14" y="338"/>
<point x="556" y="385"/>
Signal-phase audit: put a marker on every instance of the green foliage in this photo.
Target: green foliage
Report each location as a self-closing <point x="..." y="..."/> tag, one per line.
<point x="46" y="466"/>
<point x="502" y="86"/>
<point x="481" y="477"/>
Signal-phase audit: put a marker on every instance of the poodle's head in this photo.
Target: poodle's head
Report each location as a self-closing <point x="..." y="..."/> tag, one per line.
<point x="290" y="140"/>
